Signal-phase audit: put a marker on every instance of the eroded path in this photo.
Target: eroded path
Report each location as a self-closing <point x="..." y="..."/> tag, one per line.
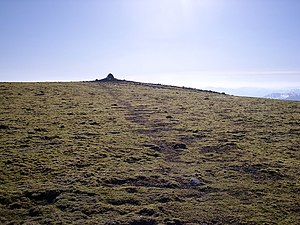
<point x="154" y="120"/>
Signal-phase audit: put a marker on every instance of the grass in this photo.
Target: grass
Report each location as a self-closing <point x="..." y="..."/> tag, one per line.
<point x="107" y="153"/>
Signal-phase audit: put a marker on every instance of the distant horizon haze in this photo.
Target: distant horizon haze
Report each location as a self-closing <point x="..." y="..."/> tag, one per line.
<point x="217" y="79"/>
<point x="254" y="84"/>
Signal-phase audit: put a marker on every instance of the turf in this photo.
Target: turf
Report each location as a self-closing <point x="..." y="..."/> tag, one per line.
<point x="124" y="153"/>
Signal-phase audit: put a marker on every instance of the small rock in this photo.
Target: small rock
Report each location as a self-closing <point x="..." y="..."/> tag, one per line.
<point x="179" y="146"/>
<point x="2" y="126"/>
<point x="115" y="132"/>
<point x="169" y="117"/>
<point x="146" y="212"/>
<point x="195" y="182"/>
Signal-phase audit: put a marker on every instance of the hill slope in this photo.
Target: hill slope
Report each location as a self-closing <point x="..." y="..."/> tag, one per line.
<point x="125" y="153"/>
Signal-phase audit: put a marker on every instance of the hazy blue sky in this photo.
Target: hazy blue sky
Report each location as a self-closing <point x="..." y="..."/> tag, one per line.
<point x="198" y="43"/>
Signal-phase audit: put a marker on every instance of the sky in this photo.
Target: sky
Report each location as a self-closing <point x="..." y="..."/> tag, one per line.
<point x="193" y="43"/>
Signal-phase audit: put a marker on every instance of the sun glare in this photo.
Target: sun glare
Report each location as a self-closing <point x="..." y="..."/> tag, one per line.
<point x="188" y="4"/>
<point x="172" y="18"/>
<point x="185" y="2"/>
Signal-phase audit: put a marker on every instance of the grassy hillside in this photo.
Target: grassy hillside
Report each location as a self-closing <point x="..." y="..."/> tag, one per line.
<point x="125" y="153"/>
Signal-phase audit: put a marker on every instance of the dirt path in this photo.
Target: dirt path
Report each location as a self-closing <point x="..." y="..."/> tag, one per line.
<point x="140" y="114"/>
